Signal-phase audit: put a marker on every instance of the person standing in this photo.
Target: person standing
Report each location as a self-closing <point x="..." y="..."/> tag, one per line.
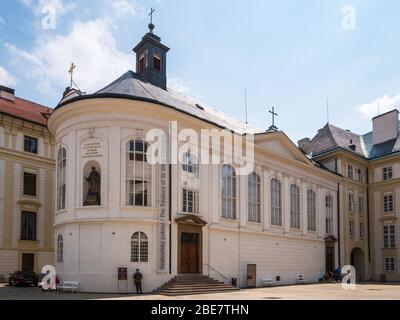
<point x="138" y="281"/>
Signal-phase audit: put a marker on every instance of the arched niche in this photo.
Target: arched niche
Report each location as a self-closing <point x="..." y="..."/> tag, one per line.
<point x="91" y="189"/>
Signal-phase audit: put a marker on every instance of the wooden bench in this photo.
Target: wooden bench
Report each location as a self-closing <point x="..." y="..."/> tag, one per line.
<point x="68" y="285"/>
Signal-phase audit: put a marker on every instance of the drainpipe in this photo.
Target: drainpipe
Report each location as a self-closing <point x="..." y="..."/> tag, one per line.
<point x="368" y="220"/>
<point x="338" y="226"/>
<point x="170" y="218"/>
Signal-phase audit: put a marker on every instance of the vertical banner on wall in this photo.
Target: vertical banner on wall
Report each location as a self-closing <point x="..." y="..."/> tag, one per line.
<point x="163" y="213"/>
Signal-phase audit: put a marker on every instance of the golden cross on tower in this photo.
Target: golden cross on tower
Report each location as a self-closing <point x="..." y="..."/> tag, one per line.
<point x="71" y="71"/>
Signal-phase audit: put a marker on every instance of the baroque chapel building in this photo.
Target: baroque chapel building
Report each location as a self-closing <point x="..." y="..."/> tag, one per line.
<point x="115" y="209"/>
<point x="78" y="190"/>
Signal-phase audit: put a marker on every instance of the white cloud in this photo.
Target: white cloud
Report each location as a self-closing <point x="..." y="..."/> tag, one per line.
<point x="37" y="5"/>
<point x="125" y="7"/>
<point x="382" y="104"/>
<point x="90" y="45"/>
<point x="6" y="79"/>
<point x="178" y="85"/>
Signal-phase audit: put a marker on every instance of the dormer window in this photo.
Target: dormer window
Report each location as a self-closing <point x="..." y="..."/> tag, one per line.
<point x="142" y="62"/>
<point x="157" y="61"/>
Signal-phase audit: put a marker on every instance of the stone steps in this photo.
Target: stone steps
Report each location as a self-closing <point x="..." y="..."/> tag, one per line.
<point x="193" y="284"/>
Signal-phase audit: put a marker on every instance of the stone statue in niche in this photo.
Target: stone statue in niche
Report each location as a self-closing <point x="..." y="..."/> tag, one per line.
<point x="93" y="196"/>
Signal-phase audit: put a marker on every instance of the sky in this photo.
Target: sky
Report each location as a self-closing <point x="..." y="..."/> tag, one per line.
<point x="289" y="54"/>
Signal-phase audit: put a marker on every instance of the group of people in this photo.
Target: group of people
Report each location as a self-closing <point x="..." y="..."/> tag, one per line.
<point x="333" y="276"/>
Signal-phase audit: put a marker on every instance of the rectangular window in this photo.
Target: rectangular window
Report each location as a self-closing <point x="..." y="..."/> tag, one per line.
<point x="359" y="175"/>
<point x="388" y="203"/>
<point x="329" y="214"/>
<point x="190" y="201"/>
<point x="29" y="184"/>
<point x="138" y="193"/>
<point x="387" y="173"/>
<point x="351" y="229"/>
<point x="350" y="172"/>
<point x="389" y="236"/>
<point x="28" y="226"/>
<point x="362" y="231"/>
<point x="390" y="264"/>
<point x="157" y="62"/>
<point x="351" y="202"/>
<point x="360" y="204"/>
<point x="30" y="145"/>
<point x="142" y="62"/>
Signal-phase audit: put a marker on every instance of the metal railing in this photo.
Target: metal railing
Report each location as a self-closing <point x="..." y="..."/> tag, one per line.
<point x="210" y="267"/>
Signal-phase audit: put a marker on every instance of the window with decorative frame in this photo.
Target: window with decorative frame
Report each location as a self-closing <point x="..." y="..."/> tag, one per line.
<point x="351" y="229"/>
<point x="28" y="226"/>
<point x="390" y="264"/>
<point x="139" y="247"/>
<point x="30" y="144"/>
<point x="61" y="178"/>
<point x="361" y="204"/>
<point x="254" y="198"/>
<point x="389" y="236"/>
<point x="60" y="249"/>
<point x="387" y="173"/>
<point x="362" y="231"/>
<point x="276" y="202"/>
<point x="388" y="203"/>
<point x="138" y="175"/>
<point x="350" y="171"/>
<point x="351" y="202"/>
<point x="190" y="200"/>
<point x="329" y="214"/>
<point x="228" y="192"/>
<point x="311" y="211"/>
<point x="30" y="184"/>
<point x="190" y="164"/>
<point x="294" y="207"/>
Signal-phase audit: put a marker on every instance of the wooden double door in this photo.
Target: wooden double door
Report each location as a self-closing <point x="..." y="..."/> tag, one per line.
<point x="190" y="253"/>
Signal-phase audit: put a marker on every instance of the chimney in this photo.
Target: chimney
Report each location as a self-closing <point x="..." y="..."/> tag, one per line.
<point x="7" y="93"/>
<point x="305" y="145"/>
<point x="385" y="127"/>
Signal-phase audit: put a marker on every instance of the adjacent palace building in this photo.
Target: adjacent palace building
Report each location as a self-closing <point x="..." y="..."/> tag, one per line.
<point x="78" y="191"/>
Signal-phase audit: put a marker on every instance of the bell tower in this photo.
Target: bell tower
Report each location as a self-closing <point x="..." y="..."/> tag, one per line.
<point x="151" y="59"/>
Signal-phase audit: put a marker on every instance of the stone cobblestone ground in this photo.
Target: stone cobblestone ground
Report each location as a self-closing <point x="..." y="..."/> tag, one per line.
<point x="331" y="291"/>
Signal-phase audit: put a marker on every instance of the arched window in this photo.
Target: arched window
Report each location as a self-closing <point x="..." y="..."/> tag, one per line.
<point x="329" y="214"/>
<point x="294" y="206"/>
<point x="139" y="247"/>
<point x="311" y="211"/>
<point x="61" y="178"/>
<point x="60" y="249"/>
<point x="138" y="174"/>
<point x="228" y="194"/>
<point x="254" y="198"/>
<point x="190" y="164"/>
<point x="276" y="202"/>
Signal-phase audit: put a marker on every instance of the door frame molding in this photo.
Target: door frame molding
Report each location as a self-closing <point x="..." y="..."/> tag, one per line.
<point x="191" y="224"/>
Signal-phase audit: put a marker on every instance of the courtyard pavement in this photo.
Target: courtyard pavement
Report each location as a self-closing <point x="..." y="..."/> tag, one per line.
<point x="324" y="291"/>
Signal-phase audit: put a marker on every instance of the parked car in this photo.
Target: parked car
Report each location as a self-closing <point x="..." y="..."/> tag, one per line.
<point x="22" y="278"/>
